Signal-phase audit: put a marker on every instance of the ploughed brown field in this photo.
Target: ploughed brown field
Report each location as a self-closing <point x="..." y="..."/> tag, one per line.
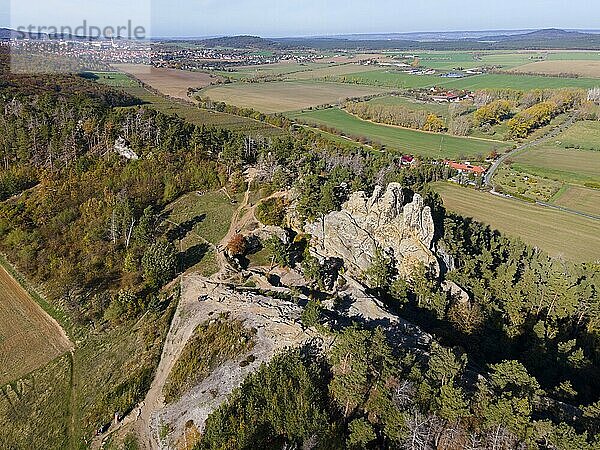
<point x="29" y="338"/>
<point x="172" y="82"/>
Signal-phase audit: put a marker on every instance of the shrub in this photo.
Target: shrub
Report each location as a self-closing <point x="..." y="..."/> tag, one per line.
<point x="271" y="211"/>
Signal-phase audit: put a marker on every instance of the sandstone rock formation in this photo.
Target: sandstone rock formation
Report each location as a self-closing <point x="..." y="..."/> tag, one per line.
<point x="403" y="229"/>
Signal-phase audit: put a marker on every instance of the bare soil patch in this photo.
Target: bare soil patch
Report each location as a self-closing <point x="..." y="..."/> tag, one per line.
<point x="287" y="95"/>
<point x="29" y="338"/>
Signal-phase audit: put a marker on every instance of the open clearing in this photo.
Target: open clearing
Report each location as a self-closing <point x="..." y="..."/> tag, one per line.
<point x="558" y="233"/>
<point x="286" y="95"/>
<point x="172" y="82"/>
<point x="584" y="135"/>
<point x="29" y="338"/>
<point x="583" y="68"/>
<point x="580" y="199"/>
<point x="408" y="141"/>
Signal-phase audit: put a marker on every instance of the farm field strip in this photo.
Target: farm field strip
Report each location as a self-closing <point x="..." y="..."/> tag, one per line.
<point x="558" y="233"/>
<point x="400" y="80"/>
<point x="285" y="96"/>
<point x="29" y="337"/>
<point x="172" y="82"/>
<point x="580" y="199"/>
<point x="568" y="165"/>
<point x="405" y="140"/>
<point x="584" y="68"/>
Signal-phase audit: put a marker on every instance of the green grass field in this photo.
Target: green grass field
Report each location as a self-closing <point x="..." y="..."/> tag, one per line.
<point x="439" y="109"/>
<point x="470" y="60"/>
<point x="567" y="165"/>
<point x="408" y="141"/>
<point x="584" y="135"/>
<point x="520" y="82"/>
<point x="399" y="80"/>
<point x="389" y="78"/>
<point x="558" y="233"/>
<point x="210" y="212"/>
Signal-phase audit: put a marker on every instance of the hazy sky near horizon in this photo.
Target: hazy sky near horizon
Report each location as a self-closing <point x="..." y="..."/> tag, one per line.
<point x="305" y="17"/>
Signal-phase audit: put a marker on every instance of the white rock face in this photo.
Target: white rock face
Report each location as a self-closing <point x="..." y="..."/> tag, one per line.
<point x="404" y="230"/>
<point x="123" y="149"/>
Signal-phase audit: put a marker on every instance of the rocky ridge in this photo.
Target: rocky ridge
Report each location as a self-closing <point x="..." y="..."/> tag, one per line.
<point x="386" y="220"/>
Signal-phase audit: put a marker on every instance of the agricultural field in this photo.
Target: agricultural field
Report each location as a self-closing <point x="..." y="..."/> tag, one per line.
<point x="293" y="71"/>
<point x="284" y="96"/>
<point x="405" y="140"/>
<point x="185" y="110"/>
<point x="268" y="70"/>
<point x="471" y="60"/>
<point x="564" y="172"/>
<point x="400" y="80"/>
<point x="503" y="59"/>
<point x="60" y="405"/>
<point x="329" y="71"/>
<point x="558" y="233"/>
<point x="29" y="337"/>
<point x="439" y="109"/>
<point x="566" y="55"/>
<point x="579" y="198"/>
<point x="171" y="82"/>
<point x="573" y="166"/>
<point x="390" y="78"/>
<point x="583" y="68"/>
<point x="519" y="82"/>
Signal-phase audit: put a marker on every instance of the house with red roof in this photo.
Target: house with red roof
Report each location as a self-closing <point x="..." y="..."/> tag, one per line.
<point x="466" y="168"/>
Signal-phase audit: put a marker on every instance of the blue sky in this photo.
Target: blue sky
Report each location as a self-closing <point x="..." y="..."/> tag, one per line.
<point x="307" y="17"/>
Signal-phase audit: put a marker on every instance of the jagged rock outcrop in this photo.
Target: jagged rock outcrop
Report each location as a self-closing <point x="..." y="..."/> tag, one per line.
<point x="403" y="229"/>
<point x="123" y="149"/>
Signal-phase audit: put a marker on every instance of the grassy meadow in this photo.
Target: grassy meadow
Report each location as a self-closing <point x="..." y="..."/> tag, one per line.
<point x="199" y="223"/>
<point x="400" y="80"/>
<point x="405" y="140"/>
<point x="572" y="158"/>
<point x="558" y="233"/>
<point x="439" y="109"/>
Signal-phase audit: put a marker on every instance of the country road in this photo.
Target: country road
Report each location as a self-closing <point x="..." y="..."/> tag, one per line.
<point x="553" y="133"/>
